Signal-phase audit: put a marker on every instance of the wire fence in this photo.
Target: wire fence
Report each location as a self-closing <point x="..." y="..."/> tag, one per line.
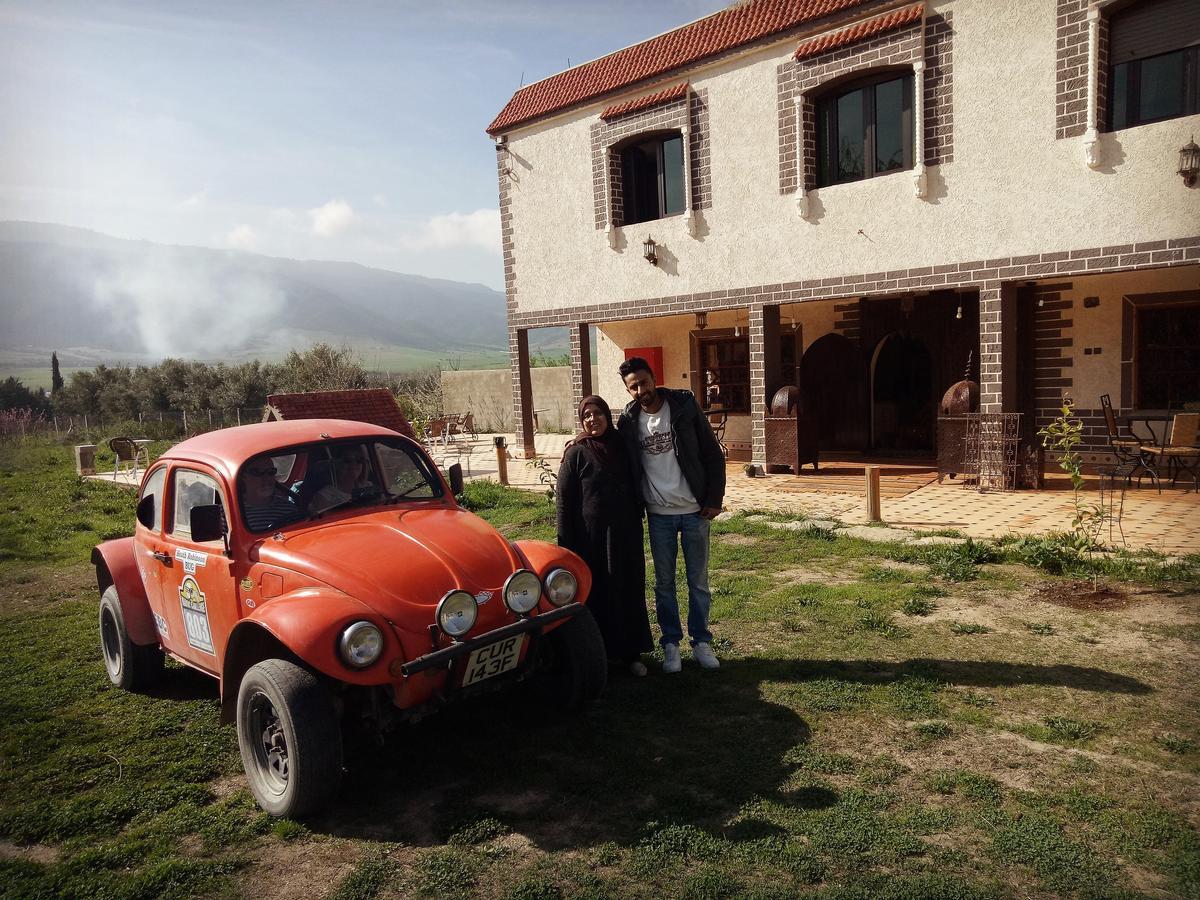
<point x="160" y="425"/>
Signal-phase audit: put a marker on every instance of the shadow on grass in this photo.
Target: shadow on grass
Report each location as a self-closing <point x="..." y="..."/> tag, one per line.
<point x="690" y="748"/>
<point x="969" y="673"/>
<point x="693" y="748"/>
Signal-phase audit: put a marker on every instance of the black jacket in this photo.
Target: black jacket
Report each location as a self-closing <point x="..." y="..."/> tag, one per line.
<point x="696" y="448"/>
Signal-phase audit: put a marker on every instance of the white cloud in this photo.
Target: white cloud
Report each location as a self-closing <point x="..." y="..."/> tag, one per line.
<point x="479" y="229"/>
<point x="196" y="201"/>
<point x="332" y="218"/>
<point x="242" y="238"/>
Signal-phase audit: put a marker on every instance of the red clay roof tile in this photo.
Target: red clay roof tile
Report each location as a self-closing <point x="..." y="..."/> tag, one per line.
<point x="859" y="31"/>
<point x="664" y="96"/>
<point x="375" y="406"/>
<point x="722" y="31"/>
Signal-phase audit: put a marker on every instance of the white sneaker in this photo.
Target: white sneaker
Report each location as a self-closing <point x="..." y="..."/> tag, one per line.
<point x="703" y="654"/>
<point x="671" y="660"/>
<point x="638" y="668"/>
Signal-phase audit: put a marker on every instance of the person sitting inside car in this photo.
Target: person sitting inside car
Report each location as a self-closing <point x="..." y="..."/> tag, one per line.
<point x="264" y="503"/>
<point x="350" y="471"/>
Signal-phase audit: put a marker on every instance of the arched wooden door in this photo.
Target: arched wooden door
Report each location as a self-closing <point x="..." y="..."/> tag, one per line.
<point x="833" y="390"/>
<point x="903" y="406"/>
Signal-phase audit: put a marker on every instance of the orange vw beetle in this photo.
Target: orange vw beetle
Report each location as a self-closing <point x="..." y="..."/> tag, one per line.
<point x="320" y="569"/>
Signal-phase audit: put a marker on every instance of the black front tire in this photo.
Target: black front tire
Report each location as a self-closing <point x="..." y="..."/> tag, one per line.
<point x="576" y="668"/>
<point x="289" y="737"/>
<point x="130" y="666"/>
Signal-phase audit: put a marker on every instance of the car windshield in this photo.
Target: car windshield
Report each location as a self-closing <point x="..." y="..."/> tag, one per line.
<point x="297" y="484"/>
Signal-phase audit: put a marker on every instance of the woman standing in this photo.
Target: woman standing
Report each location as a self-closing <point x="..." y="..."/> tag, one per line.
<point x="600" y="519"/>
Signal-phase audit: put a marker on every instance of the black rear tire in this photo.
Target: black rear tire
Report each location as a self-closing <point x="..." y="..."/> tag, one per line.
<point x="576" y="666"/>
<point x="290" y="738"/>
<point x="130" y="666"/>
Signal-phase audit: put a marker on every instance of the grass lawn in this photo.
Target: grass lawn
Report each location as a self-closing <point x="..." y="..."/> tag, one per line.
<point x="888" y="721"/>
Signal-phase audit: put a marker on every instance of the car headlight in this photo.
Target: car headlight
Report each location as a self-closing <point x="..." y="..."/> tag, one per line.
<point x="360" y="644"/>
<point x="561" y="587"/>
<point x="521" y="591"/>
<point x="456" y="613"/>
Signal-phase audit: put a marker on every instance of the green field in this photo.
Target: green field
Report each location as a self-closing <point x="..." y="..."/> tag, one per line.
<point x="888" y="722"/>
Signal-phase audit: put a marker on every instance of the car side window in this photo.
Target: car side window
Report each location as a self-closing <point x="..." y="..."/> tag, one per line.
<point x="191" y="489"/>
<point x="154" y="488"/>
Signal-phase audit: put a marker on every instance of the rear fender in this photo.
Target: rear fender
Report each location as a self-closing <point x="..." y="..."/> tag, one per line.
<point x="116" y="564"/>
<point x="542" y="556"/>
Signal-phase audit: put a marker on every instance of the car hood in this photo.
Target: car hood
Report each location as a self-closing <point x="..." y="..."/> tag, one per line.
<point x="394" y="560"/>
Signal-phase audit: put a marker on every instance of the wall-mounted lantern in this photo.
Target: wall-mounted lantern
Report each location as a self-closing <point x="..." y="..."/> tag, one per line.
<point x="650" y="250"/>
<point x="1189" y="163"/>
<point x="701" y="321"/>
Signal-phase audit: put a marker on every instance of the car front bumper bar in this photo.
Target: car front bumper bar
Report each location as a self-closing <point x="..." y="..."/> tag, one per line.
<point x="440" y="659"/>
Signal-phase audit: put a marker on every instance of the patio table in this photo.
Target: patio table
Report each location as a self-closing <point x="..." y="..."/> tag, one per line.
<point x="1148" y="417"/>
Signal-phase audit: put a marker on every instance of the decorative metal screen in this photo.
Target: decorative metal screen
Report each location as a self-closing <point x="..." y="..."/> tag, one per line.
<point x="991" y="451"/>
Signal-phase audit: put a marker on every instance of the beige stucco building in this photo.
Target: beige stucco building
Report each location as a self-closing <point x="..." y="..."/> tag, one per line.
<point x="868" y="199"/>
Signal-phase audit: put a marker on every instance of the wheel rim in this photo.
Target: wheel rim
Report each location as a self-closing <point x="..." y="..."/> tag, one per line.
<point x="269" y="742"/>
<point x="111" y="641"/>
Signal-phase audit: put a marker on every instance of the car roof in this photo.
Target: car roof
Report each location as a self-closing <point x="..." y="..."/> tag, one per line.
<point x="227" y="448"/>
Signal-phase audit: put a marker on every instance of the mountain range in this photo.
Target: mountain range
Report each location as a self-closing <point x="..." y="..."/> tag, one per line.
<point x="96" y="298"/>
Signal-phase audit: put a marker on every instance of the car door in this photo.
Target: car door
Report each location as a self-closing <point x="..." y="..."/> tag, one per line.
<point x="197" y="588"/>
<point x="151" y="550"/>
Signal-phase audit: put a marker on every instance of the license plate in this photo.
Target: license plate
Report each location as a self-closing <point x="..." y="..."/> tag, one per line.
<point x="493" y="659"/>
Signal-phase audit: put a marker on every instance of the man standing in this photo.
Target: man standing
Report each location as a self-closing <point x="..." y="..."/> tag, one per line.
<point x="681" y="468"/>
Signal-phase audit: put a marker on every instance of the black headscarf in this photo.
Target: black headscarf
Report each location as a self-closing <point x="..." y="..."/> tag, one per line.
<point x="607" y="447"/>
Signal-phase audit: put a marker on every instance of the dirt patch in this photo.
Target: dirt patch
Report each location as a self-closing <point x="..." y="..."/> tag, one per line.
<point x="807" y="575"/>
<point x="1082" y="595"/>
<point x="38" y="853"/>
<point x="739" y="540"/>
<point x="295" y="870"/>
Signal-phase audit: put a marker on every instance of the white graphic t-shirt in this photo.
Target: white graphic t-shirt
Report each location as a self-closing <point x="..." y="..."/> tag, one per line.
<point x="663" y="485"/>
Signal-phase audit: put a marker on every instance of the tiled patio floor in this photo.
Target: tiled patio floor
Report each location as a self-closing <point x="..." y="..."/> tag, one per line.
<point x="1168" y="522"/>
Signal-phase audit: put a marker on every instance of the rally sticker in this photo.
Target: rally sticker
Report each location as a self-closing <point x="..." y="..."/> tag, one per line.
<point x="161" y="624"/>
<point x="195" y="615"/>
<point x="190" y="559"/>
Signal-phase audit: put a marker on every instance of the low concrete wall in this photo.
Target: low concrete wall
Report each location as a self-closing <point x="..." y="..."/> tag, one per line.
<point x="488" y="394"/>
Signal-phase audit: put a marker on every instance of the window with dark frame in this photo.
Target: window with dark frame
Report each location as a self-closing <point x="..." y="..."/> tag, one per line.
<point x="652" y="183"/>
<point x="865" y="129"/>
<point x="1168" y="366"/>
<point x="725" y="373"/>
<point x="1154" y="63"/>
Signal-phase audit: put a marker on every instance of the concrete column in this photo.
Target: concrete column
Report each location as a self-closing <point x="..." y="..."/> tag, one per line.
<point x="581" y="362"/>
<point x="522" y="388"/>
<point x="998" y="347"/>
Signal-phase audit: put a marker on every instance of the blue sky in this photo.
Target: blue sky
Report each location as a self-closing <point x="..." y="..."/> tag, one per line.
<point x="316" y="130"/>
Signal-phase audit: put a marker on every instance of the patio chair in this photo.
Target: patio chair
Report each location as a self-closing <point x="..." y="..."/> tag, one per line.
<point x="1129" y="450"/>
<point x="1182" y="449"/>
<point x="718" y="421"/>
<point x="468" y="425"/>
<point x="436" y="431"/>
<point x="126" y="450"/>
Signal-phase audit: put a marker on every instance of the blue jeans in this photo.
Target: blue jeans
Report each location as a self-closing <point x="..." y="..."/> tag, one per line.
<point x="664" y="548"/>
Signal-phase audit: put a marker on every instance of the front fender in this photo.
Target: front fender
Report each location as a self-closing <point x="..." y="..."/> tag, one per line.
<point x="542" y="556"/>
<point x="308" y="623"/>
<point x="116" y="564"/>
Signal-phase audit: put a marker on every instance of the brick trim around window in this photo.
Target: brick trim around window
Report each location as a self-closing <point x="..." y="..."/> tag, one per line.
<point x="668" y="117"/>
<point x="903" y="47"/>
<point x="1071" y="70"/>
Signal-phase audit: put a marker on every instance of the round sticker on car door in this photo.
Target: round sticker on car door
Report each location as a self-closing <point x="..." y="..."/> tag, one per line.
<point x="195" y="615"/>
